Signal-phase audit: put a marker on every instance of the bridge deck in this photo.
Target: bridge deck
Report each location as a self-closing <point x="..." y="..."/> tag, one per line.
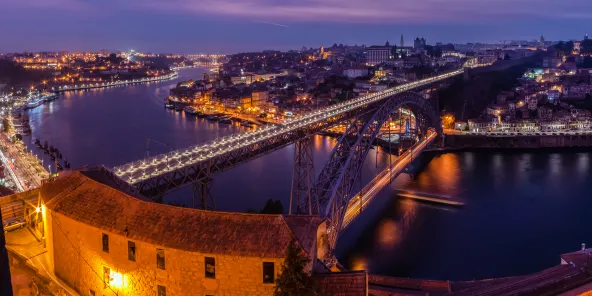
<point x="159" y="174"/>
<point x="359" y="202"/>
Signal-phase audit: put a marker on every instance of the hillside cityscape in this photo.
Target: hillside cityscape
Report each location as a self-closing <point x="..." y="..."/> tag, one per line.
<point x="407" y="166"/>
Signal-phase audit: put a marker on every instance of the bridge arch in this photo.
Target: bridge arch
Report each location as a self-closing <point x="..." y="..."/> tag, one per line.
<point x="333" y="187"/>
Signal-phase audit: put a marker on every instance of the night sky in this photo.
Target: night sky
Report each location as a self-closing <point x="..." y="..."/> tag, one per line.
<point x="227" y="26"/>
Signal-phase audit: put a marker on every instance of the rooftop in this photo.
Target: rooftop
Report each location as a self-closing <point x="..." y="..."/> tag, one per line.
<point x="80" y="197"/>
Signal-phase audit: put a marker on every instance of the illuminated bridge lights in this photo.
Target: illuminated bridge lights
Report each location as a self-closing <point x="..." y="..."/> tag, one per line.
<point x="198" y="153"/>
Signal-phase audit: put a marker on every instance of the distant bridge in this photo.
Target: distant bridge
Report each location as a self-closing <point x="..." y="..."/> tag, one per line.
<point x="84" y="86"/>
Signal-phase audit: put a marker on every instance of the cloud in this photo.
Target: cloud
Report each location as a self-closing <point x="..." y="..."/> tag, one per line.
<point x="373" y="11"/>
<point x="67" y="5"/>
<point x="273" y="24"/>
<point x="334" y="11"/>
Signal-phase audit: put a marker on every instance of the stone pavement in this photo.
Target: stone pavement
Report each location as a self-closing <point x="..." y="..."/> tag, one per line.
<point x="35" y="271"/>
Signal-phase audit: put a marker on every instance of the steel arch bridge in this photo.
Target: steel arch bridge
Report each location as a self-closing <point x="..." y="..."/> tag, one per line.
<point x="333" y="189"/>
<point x="156" y="176"/>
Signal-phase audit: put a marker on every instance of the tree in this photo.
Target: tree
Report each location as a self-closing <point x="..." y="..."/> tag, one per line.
<point x="273" y="207"/>
<point x="586" y="46"/>
<point x="5" y="125"/>
<point x="587" y="63"/>
<point x="294" y="280"/>
<point x="394" y="53"/>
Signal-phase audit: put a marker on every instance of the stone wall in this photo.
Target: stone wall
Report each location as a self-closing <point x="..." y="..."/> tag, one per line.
<point x="521" y="142"/>
<point x="79" y="261"/>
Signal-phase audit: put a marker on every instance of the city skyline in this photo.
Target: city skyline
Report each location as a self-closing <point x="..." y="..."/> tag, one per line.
<point x="186" y="26"/>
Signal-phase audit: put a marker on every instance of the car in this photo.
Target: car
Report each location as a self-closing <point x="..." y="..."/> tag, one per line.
<point x="13" y="224"/>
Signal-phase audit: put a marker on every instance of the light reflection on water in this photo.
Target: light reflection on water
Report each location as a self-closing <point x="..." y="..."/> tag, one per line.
<point x="522" y="211"/>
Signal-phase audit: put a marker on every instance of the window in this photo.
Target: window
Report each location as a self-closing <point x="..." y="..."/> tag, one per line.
<point x="105" y="243"/>
<point x="131" y="251"/>
<point x="161" y="290"/>
<point x="160" y="258"/>
<point x="106" y="275"/>
<point x="92" y="293"/>
<point x="268" y="273"/>
<point x="210" y="264"/>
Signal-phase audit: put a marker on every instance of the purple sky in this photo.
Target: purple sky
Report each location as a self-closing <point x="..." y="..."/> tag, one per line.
<point x="228" y="26"/>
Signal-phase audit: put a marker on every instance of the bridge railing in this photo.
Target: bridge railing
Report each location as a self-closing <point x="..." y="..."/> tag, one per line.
<point x="354" y="208"/>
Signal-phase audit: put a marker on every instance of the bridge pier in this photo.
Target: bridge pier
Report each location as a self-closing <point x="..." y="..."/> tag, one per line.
<point x="202" y="193"/>
<point x="301" y="200"/>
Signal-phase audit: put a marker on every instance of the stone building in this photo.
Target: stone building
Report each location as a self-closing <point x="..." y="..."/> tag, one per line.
<point x="102" y="240"/>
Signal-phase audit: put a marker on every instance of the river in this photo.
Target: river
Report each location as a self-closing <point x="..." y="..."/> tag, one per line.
<point x="523" y="209"/>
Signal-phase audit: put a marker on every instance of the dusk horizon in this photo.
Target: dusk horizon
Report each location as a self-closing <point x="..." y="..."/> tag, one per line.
<point x="226" y="27"/>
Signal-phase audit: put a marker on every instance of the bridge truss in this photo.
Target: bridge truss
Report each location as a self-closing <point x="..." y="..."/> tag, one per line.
<point x="333" y="188"/>
<point x="158" y="175"/>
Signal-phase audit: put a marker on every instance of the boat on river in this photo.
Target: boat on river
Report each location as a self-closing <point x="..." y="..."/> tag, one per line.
<point x="225" y="119"/>
<point x="212" y="118"/>
<point x="34" y="103"/>
<point x="191" y="110"/>
<point x="247" y="123"/>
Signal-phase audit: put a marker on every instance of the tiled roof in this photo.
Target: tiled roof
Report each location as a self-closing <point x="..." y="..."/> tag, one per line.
<point x="83" y="199"/>
<point x="343" y="283"/>
<point x="551" y="281"/>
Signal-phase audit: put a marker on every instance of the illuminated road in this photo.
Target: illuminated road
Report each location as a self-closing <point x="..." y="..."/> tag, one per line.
<point x="171" y="162"/>
<point x="384" y="178"/>
<point x="24" y="168"/>
<point x="7" y="165"/>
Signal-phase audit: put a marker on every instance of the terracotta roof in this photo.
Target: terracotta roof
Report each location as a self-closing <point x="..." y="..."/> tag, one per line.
<point x="551" y="281"/>
<point x="86" y="200"/>
<point x="343" y="283"/>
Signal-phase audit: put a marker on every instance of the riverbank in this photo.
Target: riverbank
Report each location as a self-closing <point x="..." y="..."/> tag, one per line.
<point x="523" y="142"/>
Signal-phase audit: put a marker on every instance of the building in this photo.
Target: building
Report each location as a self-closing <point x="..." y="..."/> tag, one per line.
<point x="259" y="98"/>
<point x="419" y="43"/>
<point x="480" y="125"/>
<point x="355" y="72"/>
<point x="545" y="113"/>
<point x="378" y="54"/>
<point x="578" y="91"/>
<point x="498" y="110"/>
<point x="102" y="240"/>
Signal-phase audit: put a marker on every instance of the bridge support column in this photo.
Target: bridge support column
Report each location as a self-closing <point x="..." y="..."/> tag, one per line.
<point x="202" y="193"/>
<point x="301" y="200"/>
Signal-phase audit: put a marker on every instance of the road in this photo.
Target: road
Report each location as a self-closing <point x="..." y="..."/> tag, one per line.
<point x="24" y="168"/>
<point x="384" y="178"/>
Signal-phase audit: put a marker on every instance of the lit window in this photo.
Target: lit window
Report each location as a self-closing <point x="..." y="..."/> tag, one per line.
<point x="268" y="273"/>
<point x="160" y="263"/>
<point x="105" y="243"/>
<point x="210" y="267"/>
<point x="161" y="290"/>
<point x="131" y="251"/>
